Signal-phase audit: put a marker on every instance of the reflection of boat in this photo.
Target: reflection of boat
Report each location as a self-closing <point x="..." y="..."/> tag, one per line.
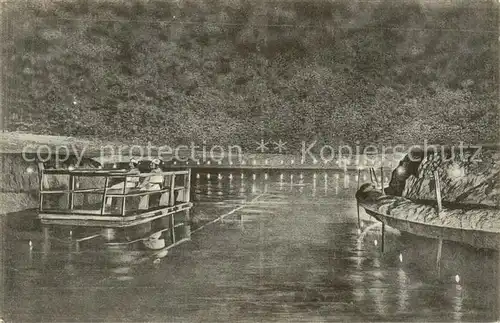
<point x="442" y="195"/>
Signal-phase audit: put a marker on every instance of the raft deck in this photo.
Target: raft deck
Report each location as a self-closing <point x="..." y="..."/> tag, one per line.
<point x="111" y="198"/>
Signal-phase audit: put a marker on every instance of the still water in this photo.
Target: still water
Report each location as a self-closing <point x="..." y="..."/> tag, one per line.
<point x="294" y="253"/>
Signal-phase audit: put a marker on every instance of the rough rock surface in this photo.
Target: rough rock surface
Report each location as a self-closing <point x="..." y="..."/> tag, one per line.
<point x="464" y="177"/>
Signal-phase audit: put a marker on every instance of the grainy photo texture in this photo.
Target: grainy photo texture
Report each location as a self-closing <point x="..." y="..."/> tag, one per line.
<point x="249" y="161"/>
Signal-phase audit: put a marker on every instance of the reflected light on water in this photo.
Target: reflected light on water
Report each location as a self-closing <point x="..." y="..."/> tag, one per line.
<point x="209" y="188"/>
<point x="346" y="180"/>
<point x="314" y="185"/>
<point x="378" y="294"/>
<point x="458" y="302"/>
<point x="403" y="296"/>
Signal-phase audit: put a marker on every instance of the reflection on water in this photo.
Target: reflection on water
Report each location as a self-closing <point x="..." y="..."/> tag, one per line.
<point x="294" y="254"/>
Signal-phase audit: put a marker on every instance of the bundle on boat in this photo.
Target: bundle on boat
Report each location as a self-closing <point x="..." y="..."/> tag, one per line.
<point x="445" y="193"/>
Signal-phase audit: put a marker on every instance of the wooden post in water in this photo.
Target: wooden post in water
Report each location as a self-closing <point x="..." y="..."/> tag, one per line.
<point x="438" y="257"/>
<point x="357" y="204"/>
<point x="382" y="179"/>
<point x="187" y="218"/>
<point x="438" y="192"/>
<point x="382" y="243"/>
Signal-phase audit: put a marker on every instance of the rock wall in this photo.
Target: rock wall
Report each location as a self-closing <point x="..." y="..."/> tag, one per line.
<point x="467" y="176"/>
<point x="19" y="180"/>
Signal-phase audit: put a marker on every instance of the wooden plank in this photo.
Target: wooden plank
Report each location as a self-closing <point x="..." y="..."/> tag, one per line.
<point x="382" y="180"/>
<point x="109" y="173"/>
<point x="139" y="193"/>
<point x="77" y="214"/>
<point x="108" y="221"/>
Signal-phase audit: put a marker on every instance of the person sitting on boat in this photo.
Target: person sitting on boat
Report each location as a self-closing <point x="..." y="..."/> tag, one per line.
<point x="131" y="182"/>
<point x="152" y="183"/>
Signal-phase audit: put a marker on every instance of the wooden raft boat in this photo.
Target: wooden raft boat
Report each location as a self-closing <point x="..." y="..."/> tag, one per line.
<point x="441" y="196"/>
<point x="87" y="204"/>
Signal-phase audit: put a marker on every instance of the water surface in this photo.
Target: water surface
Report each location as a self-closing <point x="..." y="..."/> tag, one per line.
<point x="294" y="253"/>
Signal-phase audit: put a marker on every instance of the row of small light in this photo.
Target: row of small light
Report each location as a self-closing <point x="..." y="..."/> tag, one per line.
<point x="282" y="162"/>
<point x="282" y="176"/>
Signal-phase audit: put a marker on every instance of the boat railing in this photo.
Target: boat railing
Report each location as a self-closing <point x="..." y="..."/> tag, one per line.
<point x="98" y="192"/>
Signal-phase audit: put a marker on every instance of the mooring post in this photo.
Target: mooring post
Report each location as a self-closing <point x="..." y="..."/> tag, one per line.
<point x="438" y="256"/>
<point x="382" y="243"/>
<point x="382" y="179"/>
<point x="438" y="192"/>
<point x="187" y="219"/>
